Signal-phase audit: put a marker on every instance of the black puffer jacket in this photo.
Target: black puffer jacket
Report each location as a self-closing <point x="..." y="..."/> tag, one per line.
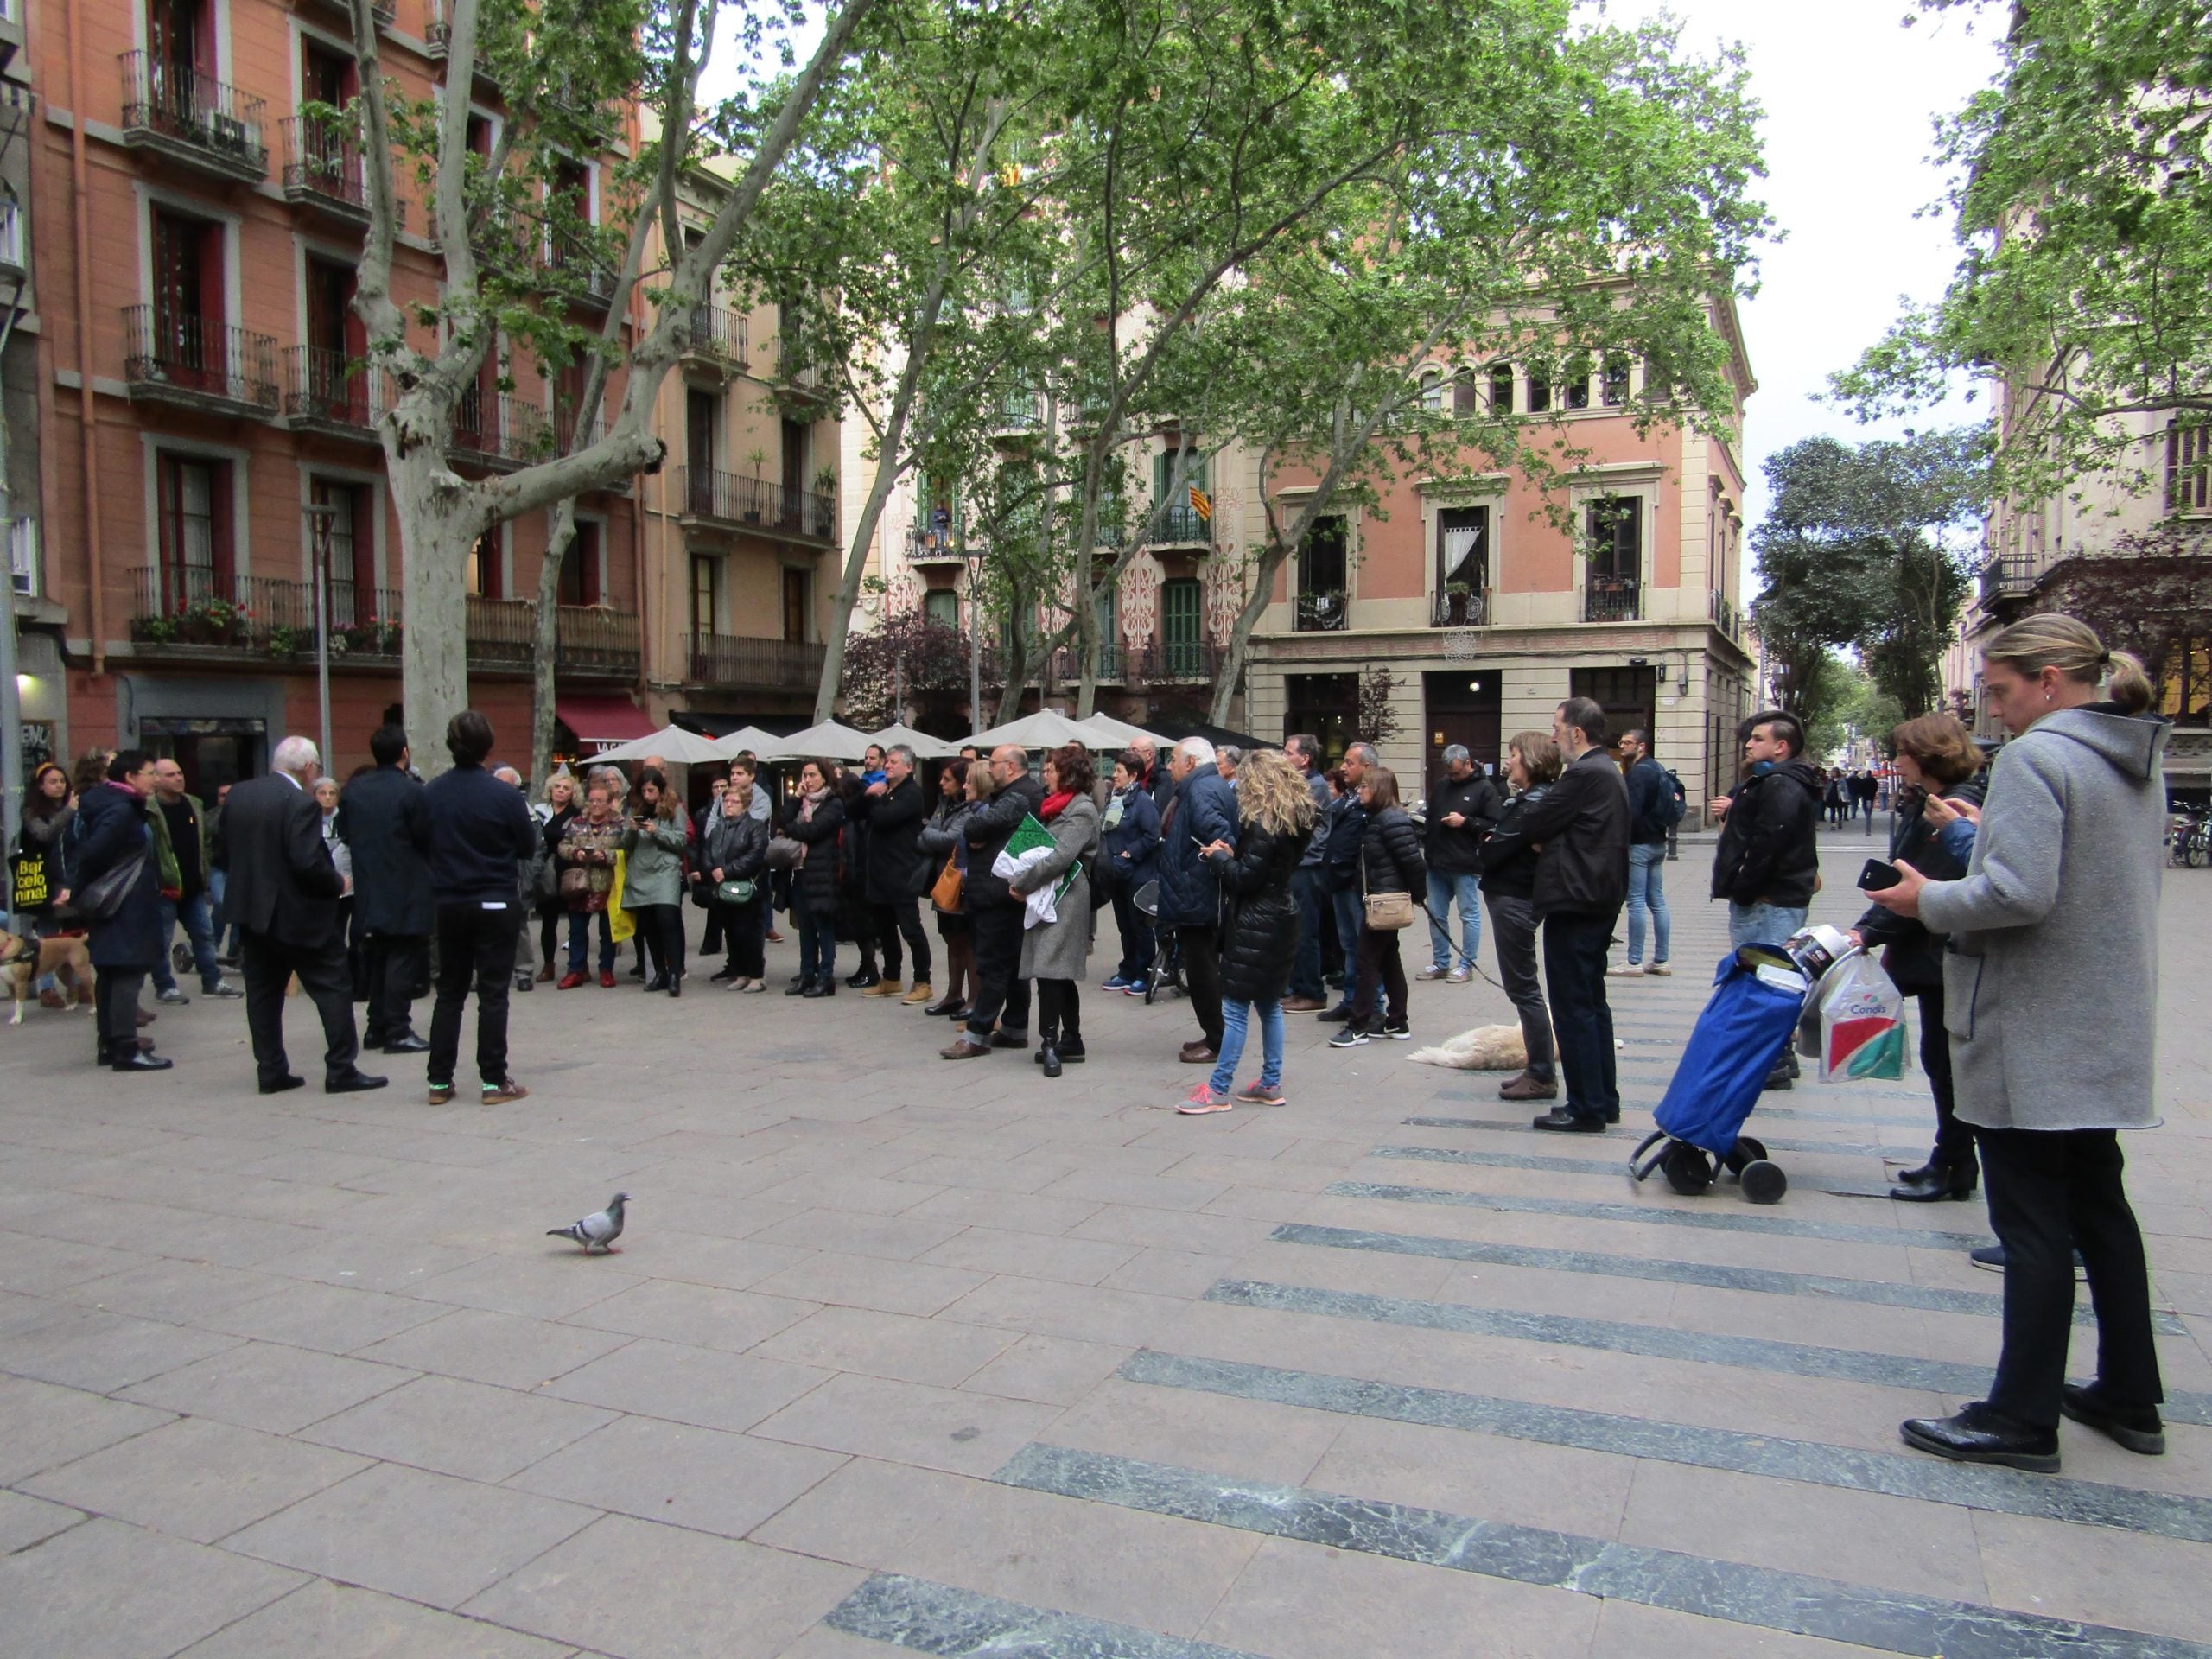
<point x="1260" y="936"/>
<point x="1390" y="857"/>
<point x="1769" y="847"/>
<point x="1509" y="856"/>
<point x="1340" y="857"/>
<point x="814" y="884"/>
<point x="1912" y="956"/>
<point x="1458" y="850"/>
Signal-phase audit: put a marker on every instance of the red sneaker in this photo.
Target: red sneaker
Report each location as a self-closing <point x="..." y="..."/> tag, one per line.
<point x="606" y="977"/>
<point x="569" y="982"/>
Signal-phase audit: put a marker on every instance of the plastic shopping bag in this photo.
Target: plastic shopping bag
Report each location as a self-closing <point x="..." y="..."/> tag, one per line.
<point x="1862" y="1021"/>
<point x="620" y="923"/>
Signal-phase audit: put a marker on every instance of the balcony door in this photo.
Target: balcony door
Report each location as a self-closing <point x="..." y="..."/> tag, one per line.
<point x="702" y="445"/>
<point x="1181" y="606"/>
<point x="1614" y="528"/>
<point x="187" y="269"/>
<point x="798" y="590"/>
<point x="580" y="567"/>
<point x="1462" y="565"/>
<point x="337" y="341"/>
<point x="352" y="549"/>
<point x="1324" y="576"/>
<point x="179" y="58"/>
<point x="1630" y="697"/>
<point x="193" y="531"/>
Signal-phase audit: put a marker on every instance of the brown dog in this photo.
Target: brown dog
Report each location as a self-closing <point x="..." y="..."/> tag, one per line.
<point x="24" y="961"/>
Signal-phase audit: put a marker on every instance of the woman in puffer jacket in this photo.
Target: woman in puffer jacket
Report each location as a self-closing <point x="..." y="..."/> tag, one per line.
<point x="735" y="848"/>
<point x="1276" y="810"/>
<point x="652" y="877"/>
<point x="1128" y="853"/>
<point x="815" y="820"/>
<point x="938" y="840"/>
<point x="1390" y="861"/>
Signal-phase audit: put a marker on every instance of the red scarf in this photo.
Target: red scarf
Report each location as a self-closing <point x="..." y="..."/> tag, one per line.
<point x="1054" y="805"/>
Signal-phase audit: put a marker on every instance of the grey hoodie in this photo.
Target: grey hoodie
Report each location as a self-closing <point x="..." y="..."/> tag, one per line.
<point x="2050" y="985"/>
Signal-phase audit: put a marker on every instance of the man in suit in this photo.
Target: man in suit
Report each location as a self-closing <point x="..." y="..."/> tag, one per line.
<point x="380" y="817"/>
<point x="283" y="892"/>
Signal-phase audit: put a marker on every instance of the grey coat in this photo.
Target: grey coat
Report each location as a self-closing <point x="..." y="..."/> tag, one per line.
<point x="653" y="872"/>
<point x="1060" y="949"/>
<point x="2050" y="985"/>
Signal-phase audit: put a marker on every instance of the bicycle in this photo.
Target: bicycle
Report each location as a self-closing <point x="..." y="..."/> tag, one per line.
<point x="2189" y="838"/>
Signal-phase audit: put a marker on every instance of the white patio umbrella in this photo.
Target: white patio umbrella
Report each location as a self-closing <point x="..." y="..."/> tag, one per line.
<point x="1045" y="730"/>
<point x="829" y="740"/>
<point x="745" y="737"/>
<point x="924" y="746"/>
<point x="672" y="743"/>
<point x="1121" y="732"/>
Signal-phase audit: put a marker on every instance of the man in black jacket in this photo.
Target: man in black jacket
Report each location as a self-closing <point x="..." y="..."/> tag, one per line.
<point x="1341" y="863"/>
<point x="1463" y="807"/>
<point x="283" y="892"/>
<point x="380" y="819"/>
<point x="1767" y="862"/>
<point x="1651" y="815"/>
<point x="995" y="911"/>
<point x="1581" y="825"/>
<point x="897" y="873"/>
<point x="481" y="833"/>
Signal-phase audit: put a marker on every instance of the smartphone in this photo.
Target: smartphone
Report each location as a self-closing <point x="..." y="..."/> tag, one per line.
<point x="1877" y="875"/>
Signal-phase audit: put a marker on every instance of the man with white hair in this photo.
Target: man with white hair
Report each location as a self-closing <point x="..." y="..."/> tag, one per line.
<point x="1203" y="811"/>
<point x="284" y="892"/>
<point x="1463" y="809"/>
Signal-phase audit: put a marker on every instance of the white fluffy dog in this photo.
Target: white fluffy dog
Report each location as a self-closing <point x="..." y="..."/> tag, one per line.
<point x="1486" y="1048"/>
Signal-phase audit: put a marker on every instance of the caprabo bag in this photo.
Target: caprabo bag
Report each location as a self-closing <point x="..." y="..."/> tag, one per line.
<point x="1862" y="1021"/>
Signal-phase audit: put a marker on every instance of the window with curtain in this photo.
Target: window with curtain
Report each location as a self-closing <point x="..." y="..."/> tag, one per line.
<point x="194" y="508"/>
<point x="706" y="588"/>
<point x="1462" y="548"/>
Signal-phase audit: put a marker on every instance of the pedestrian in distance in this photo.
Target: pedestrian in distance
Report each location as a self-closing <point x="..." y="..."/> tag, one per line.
<point x="1128" y="856"/>
<point x="998" y="1017"/>
<point x="585" y="857"/>
<point x="898" y="874"/>
<point x="1259" y="935"/>
<point x="1462" y="810"/>
<point x="384" y="824"/>
<point x="49" y="808"/>
<point x="1054" y="954"/>
<point x="653" y="843"/>
<point x="710" y="940"/>
<point x="816" y="821"/>
<point x="111" y="842"/>
<point x="2050" y="992"/>
<point x="1203" y="811"/>
<point x="856" y="913"/>
<point x="1654" y="808"/>
<point x="1581" y="827"/>
<point x="1390" y="862"/>
<point x="284" y="893"/>
<point x="481" y="833"/>
<point x="1510" y="859"/>
<point x="1309" y="989"/>
<point x="734" y="856"/>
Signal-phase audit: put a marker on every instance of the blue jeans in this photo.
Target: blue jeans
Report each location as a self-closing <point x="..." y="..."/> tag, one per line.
<point x="199" y="919"/>
<point x="818" y="946"/>
<point x="1234" y="1017"/>
<point x="1445" y="888"/>
<point x="218" y="883"/>
<point x="1762" y="923"/>
<point x="1352" y="916"/>
<point x="1309" y="887"/>
<point x="1647" y="889"/>
<point x="580" y="942"/>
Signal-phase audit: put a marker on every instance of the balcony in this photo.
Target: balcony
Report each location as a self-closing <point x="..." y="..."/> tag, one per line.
<point x="341" y="12"/>
<point x="437" y="39"/>
<point x="22" y="556"/>
<point x="194" y="611"/>
<point x="1016" y="415"/>
<point x="591" y="639"/>
<point x="933" y="548"/>
<point x="1180" y="527"/>
<point x="1066" y="666"/>
<point x="193" y="363"/>
<point x="498" y="434"/>
<point x="334" y="395"/>
<point x="1459" y="610"/>
<point x="2007" y="578"/>
<point x="723" y="501"/>
<point x="13" y="266"/>
<point x="1164" y="662"/>
<point x="1725" y="616"/>
<point x="1320" y="614"/>
<point x="1612" y="599"/>
<point x="322" y="167"/>
<point x="718" y="344"/>
<point x="748" y="664"/>
<point x="192" y="119"/>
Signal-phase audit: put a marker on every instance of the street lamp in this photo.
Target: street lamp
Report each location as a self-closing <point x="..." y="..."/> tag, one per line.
<point x="319" y="514"/>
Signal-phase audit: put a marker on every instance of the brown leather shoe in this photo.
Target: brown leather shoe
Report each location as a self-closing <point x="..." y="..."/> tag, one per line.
<point x="1525" y="1087"/>
<point x="1199" y="1054"/>
<point x="964" y="1050"/>
<point x="545" y="974"/>
<point x="1303" y="1005"/>
<point x="144" y="1018"/>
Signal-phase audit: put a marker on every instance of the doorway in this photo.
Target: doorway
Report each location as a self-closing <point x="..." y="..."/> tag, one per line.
<point x="1462" y="706"/>
<point x="1630" y="697"/>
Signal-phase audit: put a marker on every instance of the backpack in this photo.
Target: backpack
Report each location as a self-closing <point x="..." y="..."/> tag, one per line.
<point x="1675" y="803"/>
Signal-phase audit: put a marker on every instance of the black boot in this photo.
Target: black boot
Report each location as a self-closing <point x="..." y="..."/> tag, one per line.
<point x="1934" y="1182"/>
<point x="1051" y="1057"/>
<point x="803" y="986"/>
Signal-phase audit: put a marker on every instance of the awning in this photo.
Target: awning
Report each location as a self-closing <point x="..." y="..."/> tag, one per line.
<point x="602" y="722"/>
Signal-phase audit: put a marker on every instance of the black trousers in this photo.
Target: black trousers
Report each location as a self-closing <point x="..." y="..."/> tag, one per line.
<point x="2053" y="1192"/>
<point x="327" y="980"/>
<point x="1513" y="926"/>
<point x="1575" y="975"/>
<point x="1001" y="994"/>
<point x="1381" y="978"/>
<point x="115" y="1008"/>
<point x="743" y="929"/>
<point x="1953" y="1140"/>
<point x="473" y="944"/>
<point x="1202" y="978"/>
<point x="892" y="920"/>
<point x="1060" y="1013"/>
<point x="661" y="928"/>
<point x="552" y="917"/>
<point x="395" y="964"/>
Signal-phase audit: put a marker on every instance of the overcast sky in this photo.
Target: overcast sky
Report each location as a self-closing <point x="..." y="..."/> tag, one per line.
<point x="1850" y="98"/>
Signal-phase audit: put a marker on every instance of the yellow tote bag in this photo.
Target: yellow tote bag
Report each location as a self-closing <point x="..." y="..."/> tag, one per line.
<point x="620" y="923"/>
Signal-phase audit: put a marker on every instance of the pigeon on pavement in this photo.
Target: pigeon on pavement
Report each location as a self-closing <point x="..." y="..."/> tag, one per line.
<point x="596" y="1233"/>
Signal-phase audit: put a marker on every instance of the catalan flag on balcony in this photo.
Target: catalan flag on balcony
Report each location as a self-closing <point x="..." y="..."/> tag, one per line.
<point x="1202" y="504"/>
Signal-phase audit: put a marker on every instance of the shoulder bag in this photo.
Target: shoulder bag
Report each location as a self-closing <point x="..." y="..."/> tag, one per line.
<point x="102" y="898"/>
<point x="734" y="893"/>
<point x="1387" y="912"/>
<point x="944" y="892"/>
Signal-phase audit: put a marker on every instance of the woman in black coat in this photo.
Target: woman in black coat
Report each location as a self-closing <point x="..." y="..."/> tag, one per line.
<point x="1390" y="861"/>
<point x="816" y="821"/>
<point x="1508" y="862"/>
<point x="111" y="831"/>
<point x="938" y="840"/>
<point x="1275" y="813"/>
<point x="735" y="848"/>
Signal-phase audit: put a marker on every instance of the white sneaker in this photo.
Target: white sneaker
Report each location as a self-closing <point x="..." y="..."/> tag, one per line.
<point x="1632" y="971"/>
<point x="1430" y="973"/>
<point x="1458" y="976"/>
<point x="1660" y="969"/>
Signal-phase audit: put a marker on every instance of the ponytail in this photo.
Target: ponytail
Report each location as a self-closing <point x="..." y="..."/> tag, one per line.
<point x="2127" y="685"/>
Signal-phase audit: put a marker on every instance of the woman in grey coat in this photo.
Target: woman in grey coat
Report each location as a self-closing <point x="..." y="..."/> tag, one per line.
<point x="653" y="878"/>
<point x="2050" y="988"/>
<point x="1054" y="954"/>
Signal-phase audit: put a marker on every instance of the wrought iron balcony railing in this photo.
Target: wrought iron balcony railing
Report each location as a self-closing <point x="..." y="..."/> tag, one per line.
<point x="198" y="363"/>
<point x="330" y="392"/>
<point x="732" y="499"/>
<point x="735" y="660"/>
<point x="1612" y="599"/>
<point x="1320" y="614"/>
<point x="1467" y="610"/>
<point x="192" y="118"/>
<point x="1180" y="525"/>
<point x="498" y="432"/>
<point x="717" y="336"/>
<point x="323" y="167"/>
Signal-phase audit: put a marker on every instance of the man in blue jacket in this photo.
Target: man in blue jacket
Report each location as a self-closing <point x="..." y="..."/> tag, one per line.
<point x="1203" y="811"/>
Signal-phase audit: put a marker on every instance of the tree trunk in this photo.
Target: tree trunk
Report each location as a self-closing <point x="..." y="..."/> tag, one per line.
<point x="437" y="529"/>
<point x="546" y="647"/>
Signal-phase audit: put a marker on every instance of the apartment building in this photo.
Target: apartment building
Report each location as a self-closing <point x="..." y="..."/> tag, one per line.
<point x="39" y="661"/>
<point x="210" y="427"/>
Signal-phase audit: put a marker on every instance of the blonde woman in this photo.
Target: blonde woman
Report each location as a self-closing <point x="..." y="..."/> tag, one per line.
<point x="1275" y="809"/>
<point x="554" y="815"/>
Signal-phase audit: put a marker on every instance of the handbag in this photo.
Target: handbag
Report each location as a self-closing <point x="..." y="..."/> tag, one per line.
<point x="101" y="900"/>
<point x="575" y="881"/>
<point x="1387" y="912"/>
<point x="734" y="893"/>
<point x="945" y="892"/>
<point x="784" y="853"/>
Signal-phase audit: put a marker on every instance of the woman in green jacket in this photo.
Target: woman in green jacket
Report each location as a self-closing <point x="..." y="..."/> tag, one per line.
<point x="653" y="878"/>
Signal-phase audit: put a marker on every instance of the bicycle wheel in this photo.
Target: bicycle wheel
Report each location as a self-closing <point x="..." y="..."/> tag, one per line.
<point x="2200" y="849"/>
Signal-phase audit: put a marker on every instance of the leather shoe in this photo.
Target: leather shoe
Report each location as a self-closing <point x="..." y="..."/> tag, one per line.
<point x="965" y="1048"/>
<point x="406" y="1043"/>
<point x="140" y="1063"/>
<point x="945" y="1005"/>
<point x="1977" y="1434"/>
<point x="279" y="1085"/>
<point x="2137" y="1427"/>
<point x="352" y="1082"/>
<point x="1199" y="1054"/>
<point x="1303" y="1005"/>
<point x="1525" y="1087"/>
<point x="1009" y="1039"/>
<point x="1051" y="1059"/>
<point x="1935" y="1183"/>
<point x="1563" y="1121"/>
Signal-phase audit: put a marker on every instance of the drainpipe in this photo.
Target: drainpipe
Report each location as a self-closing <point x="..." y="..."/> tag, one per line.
<point x="95" y="576"/>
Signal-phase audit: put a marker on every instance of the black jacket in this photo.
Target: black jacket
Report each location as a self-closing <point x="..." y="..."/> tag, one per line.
<point x="1768" y="846"/>
<point x="111" y="826"/>
<point x="282" y="881"/>
<point x="1390" y="855"/>
<point x="896" y="868"/>
<point x="1509" y="856"/>
<point x="1261" y="934"/>
<point x="1651" y="792"/>
<point x="1912" y="956"/>
<point x="1340" y="858"/>
<point x="481" y="835"/>
<point x="814" y="884"/>
<point x="381" y="818"/>
<point x="737" y="846"/>
<point x="1455" y="852"/>
<point x="989" y="828"/>
<point x="1581" y="825"/>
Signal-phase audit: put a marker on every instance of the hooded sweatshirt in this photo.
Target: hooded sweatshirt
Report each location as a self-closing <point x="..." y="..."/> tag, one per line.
<point x="1769" y="850"/>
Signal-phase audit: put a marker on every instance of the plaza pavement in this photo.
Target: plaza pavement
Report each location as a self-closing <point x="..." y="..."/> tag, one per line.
<point x="956" y="1359"/>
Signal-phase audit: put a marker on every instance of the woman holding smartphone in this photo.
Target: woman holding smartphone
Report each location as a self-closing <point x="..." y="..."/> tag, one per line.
<point x="652" y="877"/>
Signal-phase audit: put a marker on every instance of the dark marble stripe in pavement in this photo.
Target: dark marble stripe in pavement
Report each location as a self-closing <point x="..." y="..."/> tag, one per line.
<point x="1919" y="1120"/>
<point x="1914" y="1475"/>
<point x="1773" y="1143"/>
<point x="1884" y="1620"/>
<point x="1660" y="1342"/>
<point x="925" y="1617"/>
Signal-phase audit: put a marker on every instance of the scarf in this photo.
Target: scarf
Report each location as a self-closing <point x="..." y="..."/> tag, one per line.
<point x="1054" y="805"/>
<point x="808" y="803"/>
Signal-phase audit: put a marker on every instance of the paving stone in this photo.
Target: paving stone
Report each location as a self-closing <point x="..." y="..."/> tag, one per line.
<point x="862" y="1281"/>
<point x="459" y="1428"/>
<point x="265" y="1385"/>
<point x="960" y="1431"/>
<point x="196" y="1478"/>
<point x="345" y="1621"/>
<point x="123" y="1592"/>
<point x="49" y="1425"/>
<point x="546" y="1285"/>
<point x="864" y="1511"/>
<point x="704" y="1315"/>
<point x="85" y="1348"/>
<point x="25" y="1520"/>
<point x="704" y="1478"/>
<point x="688" y="1385"/>
<point x="331" y="1318"/>
<point x="889" y="1344"/>
<point x="508" y="1349"/>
